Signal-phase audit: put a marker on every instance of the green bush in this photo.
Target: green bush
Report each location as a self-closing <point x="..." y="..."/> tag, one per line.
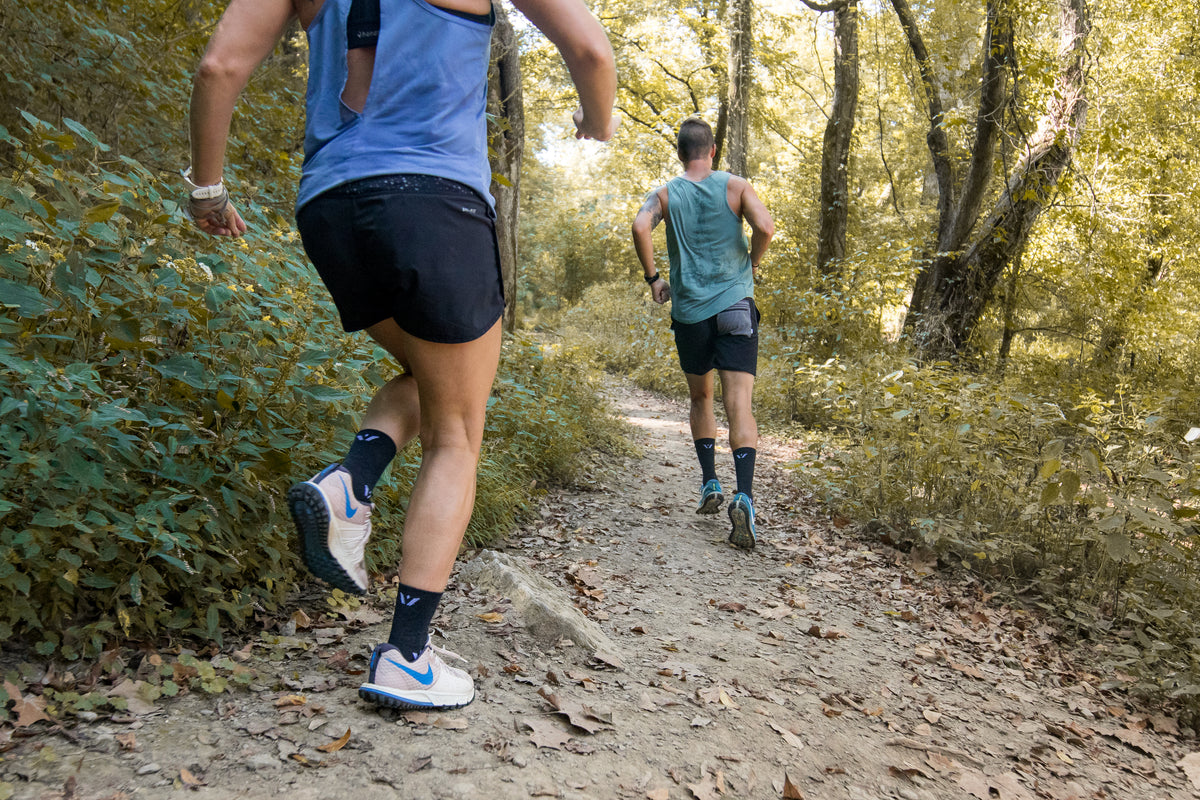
<point x="622" y="330"/>
<point x="154" y="399"/>
<point x="1087" y="500"/>
<point x="159" y="389"/>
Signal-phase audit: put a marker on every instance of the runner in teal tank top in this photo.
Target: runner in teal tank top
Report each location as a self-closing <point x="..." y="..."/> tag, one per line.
<point x="712" y="313"/>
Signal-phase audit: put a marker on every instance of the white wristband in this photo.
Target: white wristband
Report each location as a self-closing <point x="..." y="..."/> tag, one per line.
<point x="202" y="192"/>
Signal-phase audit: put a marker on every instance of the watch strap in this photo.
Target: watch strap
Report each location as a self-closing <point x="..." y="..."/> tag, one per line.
<point x="202" y="192"/>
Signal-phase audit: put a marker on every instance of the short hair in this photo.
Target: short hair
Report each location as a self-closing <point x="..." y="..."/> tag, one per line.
<point x="695" y="139"/>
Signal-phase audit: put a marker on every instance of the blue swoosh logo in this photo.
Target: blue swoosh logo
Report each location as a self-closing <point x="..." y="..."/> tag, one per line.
<point x="350" y="510"/>
<point x="424" y="678"/>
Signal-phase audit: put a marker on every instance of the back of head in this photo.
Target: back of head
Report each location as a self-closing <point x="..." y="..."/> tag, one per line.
<point x="695" y="139"/>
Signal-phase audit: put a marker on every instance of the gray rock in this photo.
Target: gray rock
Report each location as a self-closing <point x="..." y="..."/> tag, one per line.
<point x="547" y="612"/>
<point x="261" y="761"/>
<point x="148" y="769"/>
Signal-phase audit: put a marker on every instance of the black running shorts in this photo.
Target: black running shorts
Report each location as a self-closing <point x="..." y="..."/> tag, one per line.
<point x="414" y="248"/>
<point x="719" y="342"/>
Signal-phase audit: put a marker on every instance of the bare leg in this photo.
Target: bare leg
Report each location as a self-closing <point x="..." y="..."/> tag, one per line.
<point x="700" y="416"/>
<point x="737" y="391"/>
<point x="395" y="409"/>
<point x="453" y="382"/>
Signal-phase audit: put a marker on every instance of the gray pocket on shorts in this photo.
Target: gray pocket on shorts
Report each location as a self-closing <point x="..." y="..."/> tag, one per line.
<point x="737" y="320"/>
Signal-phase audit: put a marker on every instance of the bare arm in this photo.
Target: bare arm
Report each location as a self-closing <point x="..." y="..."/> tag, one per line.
<point x="762" y="226"/>
<point x="584" y="46"/>
<point x="647" y="219"/>
<point x="244" y="37"/>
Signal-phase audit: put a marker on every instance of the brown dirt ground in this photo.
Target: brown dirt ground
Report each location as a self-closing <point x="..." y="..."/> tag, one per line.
<point x="820" y="665"/>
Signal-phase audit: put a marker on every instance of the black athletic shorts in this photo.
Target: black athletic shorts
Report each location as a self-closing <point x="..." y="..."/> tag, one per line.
<point x="726" y="340"/>
<point x="414" y="248"/>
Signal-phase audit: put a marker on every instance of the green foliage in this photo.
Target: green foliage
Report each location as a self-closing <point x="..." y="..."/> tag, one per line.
<point x="621" y="329"/>
<point x="1088" y="499"/>
<point x="157" y="399"/>
<point x="154" y="399"/>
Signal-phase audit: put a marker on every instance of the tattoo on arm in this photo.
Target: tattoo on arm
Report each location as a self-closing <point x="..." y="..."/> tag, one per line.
<point x="653" y="207"/>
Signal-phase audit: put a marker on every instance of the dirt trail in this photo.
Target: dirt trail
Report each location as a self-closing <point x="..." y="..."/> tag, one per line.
<point x="817" y="666"/>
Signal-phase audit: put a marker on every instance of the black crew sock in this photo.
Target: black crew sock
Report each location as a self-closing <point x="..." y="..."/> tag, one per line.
<point x="410" y="624"/>
<point x="369" y="456"/>
<point x="743" y="465"/>
<point x="707" y="453"/>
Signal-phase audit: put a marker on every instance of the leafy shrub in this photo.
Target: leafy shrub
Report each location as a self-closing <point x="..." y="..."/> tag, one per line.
<point x="621" y="329"/>
<point x="1086" y="499"/>
<point x="155" y="399"/>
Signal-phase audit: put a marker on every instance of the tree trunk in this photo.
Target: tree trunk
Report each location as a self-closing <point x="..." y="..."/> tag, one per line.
<point x="741" y="55"/>
<point x="958" y="206"/>
<point x="506" y="136"/>
<point x="957" y="284"/>
<point x="835" y="151"/>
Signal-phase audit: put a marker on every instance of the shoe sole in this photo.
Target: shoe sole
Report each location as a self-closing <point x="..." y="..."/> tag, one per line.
<point x="389" y="698"/>
<point x="711" y="503"/>
<point x="311" y="517"/>
<point x="742" y="534"/>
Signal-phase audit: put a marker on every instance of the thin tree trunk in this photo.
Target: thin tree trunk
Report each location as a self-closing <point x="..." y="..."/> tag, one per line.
<point x="507" y="138"/>
<point x="835" y="151"/>
<point x="741" y="55"/>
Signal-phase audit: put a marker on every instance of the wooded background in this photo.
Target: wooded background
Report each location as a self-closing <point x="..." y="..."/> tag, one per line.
<point x="979" y="310"/>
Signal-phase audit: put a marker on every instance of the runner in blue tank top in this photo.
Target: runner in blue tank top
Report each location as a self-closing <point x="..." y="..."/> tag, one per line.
<point x="395" y="213"/>
<point x="712" y="306"/>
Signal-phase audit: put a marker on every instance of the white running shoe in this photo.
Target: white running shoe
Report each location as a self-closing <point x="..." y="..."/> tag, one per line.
<point x="333" y="529"/>
<point x="427" y="683"/>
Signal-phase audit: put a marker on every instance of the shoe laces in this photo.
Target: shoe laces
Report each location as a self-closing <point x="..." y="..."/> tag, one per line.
<point x="444" y="652"/>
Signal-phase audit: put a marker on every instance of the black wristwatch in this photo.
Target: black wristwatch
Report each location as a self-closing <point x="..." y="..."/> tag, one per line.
<point x="650" y="279"/>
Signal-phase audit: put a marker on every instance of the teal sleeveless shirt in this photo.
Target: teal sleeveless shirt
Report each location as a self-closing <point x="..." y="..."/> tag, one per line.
<point x="710" y="257"/>
<point x="425" y="110"/>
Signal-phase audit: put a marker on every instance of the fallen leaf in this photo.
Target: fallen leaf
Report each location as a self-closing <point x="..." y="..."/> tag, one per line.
<point x="334" y="746"/>
<point x="1190" y="764"/>
<point x="790" y="790"/>
<point x="127" y="741"/>
<point x="28" y="709"/>
<point x="966" y="670"/>
<point x="491" y="617"/>
<point x="189" y="779"/>
<point x="291" y="700"/>
<point x="545" y="733"/>
<point x="711" y="787"/>
<point x="579" y="715"/>
<point x="301" y="619"/>
<point x="135" y="703"/>
<point x="976" y="784"/>
<point x="908" y="771"/>
<point x="942" y="764"/>
<point x="451" y="723"/>
<point x="732" y="606"/>
<point x="1009" y="787"/>
<point x="788" y="736"/>
<point x="1164" y="724"/>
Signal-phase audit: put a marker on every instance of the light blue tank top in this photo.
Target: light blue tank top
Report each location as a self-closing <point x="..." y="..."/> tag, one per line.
<point x="710" y="257"/>
<point x="425" y="110"/>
